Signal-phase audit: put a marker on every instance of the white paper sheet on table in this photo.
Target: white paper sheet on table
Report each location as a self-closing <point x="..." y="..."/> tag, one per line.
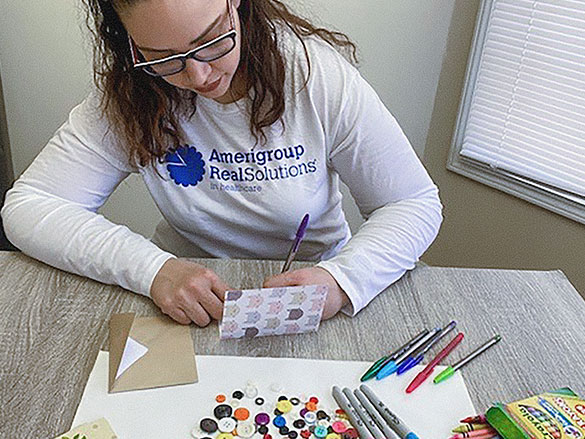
<point x="431" y="411"/>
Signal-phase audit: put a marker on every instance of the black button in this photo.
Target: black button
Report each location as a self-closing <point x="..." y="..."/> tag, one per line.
<point x="283" y="430"/>
<point x="282" y="398"/>
<point x="208" y="425"/>
<point x="259" y="401"/>
<point x="295" y="401"/>
<point x="292" y="434"/>
<point x="277" y="412"/>
<point x="322" y="415"/>
<point x="238" y="394"/>
<point x="222" y="411"/>
<point x="299" y="423"/>
<point x="263" y="429"/>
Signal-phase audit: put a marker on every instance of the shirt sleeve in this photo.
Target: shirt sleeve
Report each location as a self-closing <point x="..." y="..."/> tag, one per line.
<point x="51" y="211"/>
<point x="392" y="190"/>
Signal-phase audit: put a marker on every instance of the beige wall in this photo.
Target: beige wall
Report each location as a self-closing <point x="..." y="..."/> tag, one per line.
<point x="484" y="227"/>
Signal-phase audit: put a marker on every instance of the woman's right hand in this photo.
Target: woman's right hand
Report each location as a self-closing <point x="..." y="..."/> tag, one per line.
<point x="188" y="292"/>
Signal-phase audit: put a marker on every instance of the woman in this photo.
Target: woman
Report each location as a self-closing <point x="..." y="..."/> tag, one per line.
<point x="240" y="117"/>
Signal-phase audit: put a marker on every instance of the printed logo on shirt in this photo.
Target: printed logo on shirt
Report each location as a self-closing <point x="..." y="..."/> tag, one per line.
<point x="232" y="170"/>
<point x="261" y="165"/>
<point x="186" y="166"/>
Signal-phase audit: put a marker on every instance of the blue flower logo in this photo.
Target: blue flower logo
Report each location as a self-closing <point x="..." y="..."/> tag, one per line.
<point x="186" y="166"/>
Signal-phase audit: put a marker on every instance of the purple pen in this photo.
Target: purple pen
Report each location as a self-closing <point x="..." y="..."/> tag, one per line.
<point x="293" y="250"/>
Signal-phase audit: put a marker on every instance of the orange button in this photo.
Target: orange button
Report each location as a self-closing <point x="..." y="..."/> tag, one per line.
<point x="220" y="398"/>
<point x="241" y="414"/>
<point x="311" y="406"/>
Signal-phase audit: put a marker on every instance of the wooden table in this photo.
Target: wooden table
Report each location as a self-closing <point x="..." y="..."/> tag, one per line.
<point x="53" y="324"/>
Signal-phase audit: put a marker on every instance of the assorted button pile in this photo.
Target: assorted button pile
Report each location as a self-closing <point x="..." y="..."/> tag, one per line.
<point x="248" y="414"/>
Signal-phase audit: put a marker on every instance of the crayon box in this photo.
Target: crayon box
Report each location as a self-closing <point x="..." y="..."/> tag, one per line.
<point x="555" y="415"/>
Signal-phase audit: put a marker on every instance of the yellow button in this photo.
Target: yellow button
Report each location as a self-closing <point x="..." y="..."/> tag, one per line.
<point x="225" y="436"/>
<point x="333" y="436"/>
<point x="284" y="406"/>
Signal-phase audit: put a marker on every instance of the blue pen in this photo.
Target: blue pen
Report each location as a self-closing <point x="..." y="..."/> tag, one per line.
<point x="392" y="366"/>
<point x="416" y="358"/>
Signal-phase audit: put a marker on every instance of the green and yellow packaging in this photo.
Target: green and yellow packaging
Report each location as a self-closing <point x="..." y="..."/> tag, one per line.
<point x="555" y="415"/>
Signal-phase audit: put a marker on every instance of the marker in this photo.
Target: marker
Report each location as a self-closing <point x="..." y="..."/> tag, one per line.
<point x="392" y="366"/>
<point x="295" y="247"/>
<point x="447" y="373"/>
<point x="363" y="414"/>
<point x="415" y="358"/>
<point x="369" y="407"/>
<point x="427" y="371"/>
<point x="374" y="368"/>
<point x="393" y="421"/>
<point x="354" y="418"/>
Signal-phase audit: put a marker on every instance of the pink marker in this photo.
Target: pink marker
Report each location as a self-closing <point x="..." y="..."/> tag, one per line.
<point x="427" y="371"/>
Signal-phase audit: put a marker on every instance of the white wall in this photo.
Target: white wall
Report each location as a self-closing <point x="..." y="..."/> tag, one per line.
<point x="45" y="63"/>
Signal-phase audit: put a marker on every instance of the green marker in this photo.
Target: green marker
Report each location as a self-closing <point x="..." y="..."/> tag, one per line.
<point x="448" y="373"/>
<point x="373" y="370"/>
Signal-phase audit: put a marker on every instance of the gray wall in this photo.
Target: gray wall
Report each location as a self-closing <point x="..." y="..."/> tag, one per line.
<point x="484" y="227"/>
<point x="6" y="174"/>
<point x="402" y="45"/>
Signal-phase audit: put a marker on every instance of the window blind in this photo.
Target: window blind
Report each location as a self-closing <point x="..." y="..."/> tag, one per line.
<point x="526" y="115"/>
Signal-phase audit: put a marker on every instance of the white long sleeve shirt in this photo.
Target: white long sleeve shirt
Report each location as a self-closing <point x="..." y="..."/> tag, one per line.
<point x="224" y="195"/>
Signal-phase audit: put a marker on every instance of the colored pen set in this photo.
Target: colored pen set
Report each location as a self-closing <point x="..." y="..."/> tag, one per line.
<point x="413" y="353"/>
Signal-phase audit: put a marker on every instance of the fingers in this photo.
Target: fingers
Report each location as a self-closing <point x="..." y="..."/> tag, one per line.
<point x="178" y="315"/>
<point x="219" y="287"/>
<point x="288" y="279"/>
<point x="212" y="303"/>
<point x="196" y="313"/>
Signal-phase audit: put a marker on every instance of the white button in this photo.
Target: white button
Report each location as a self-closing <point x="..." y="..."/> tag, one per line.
<point x="245" y="429"/>
<point x="235" y="403"/>
<point x="276" y="387"/>
<point x="196" y="433"/>
<point x="310" y="417"/>
<point x="226" y="425"/>
<point x="251" y="391"/>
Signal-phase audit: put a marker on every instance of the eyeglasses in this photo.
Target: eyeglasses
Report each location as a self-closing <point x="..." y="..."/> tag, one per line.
<point x="208" y="52"/>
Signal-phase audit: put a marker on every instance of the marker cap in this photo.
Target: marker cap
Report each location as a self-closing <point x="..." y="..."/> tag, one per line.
<point x="389" y="369"/>
<point x="447" y="373"/>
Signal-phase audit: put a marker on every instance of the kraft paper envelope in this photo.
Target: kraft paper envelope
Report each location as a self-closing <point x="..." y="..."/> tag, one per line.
<point x="148" y="352"/>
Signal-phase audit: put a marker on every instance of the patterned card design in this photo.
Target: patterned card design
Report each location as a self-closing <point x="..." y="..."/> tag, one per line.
<point x="272" y="311"/>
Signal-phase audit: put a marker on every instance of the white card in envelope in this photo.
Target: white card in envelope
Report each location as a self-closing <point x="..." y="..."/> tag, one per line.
<point x="272" y="311"/>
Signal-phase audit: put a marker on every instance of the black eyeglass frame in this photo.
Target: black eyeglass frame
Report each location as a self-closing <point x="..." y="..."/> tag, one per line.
<point x="146" y="66"/>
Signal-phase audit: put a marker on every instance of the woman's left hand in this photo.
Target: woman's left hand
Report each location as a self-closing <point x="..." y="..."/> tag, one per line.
<point x="336" y="297"/>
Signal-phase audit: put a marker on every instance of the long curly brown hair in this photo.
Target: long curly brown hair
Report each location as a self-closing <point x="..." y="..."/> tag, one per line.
<point x="145" y="110"/>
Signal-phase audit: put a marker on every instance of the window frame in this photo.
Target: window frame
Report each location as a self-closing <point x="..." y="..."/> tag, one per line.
<point x="538" y="193"/>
